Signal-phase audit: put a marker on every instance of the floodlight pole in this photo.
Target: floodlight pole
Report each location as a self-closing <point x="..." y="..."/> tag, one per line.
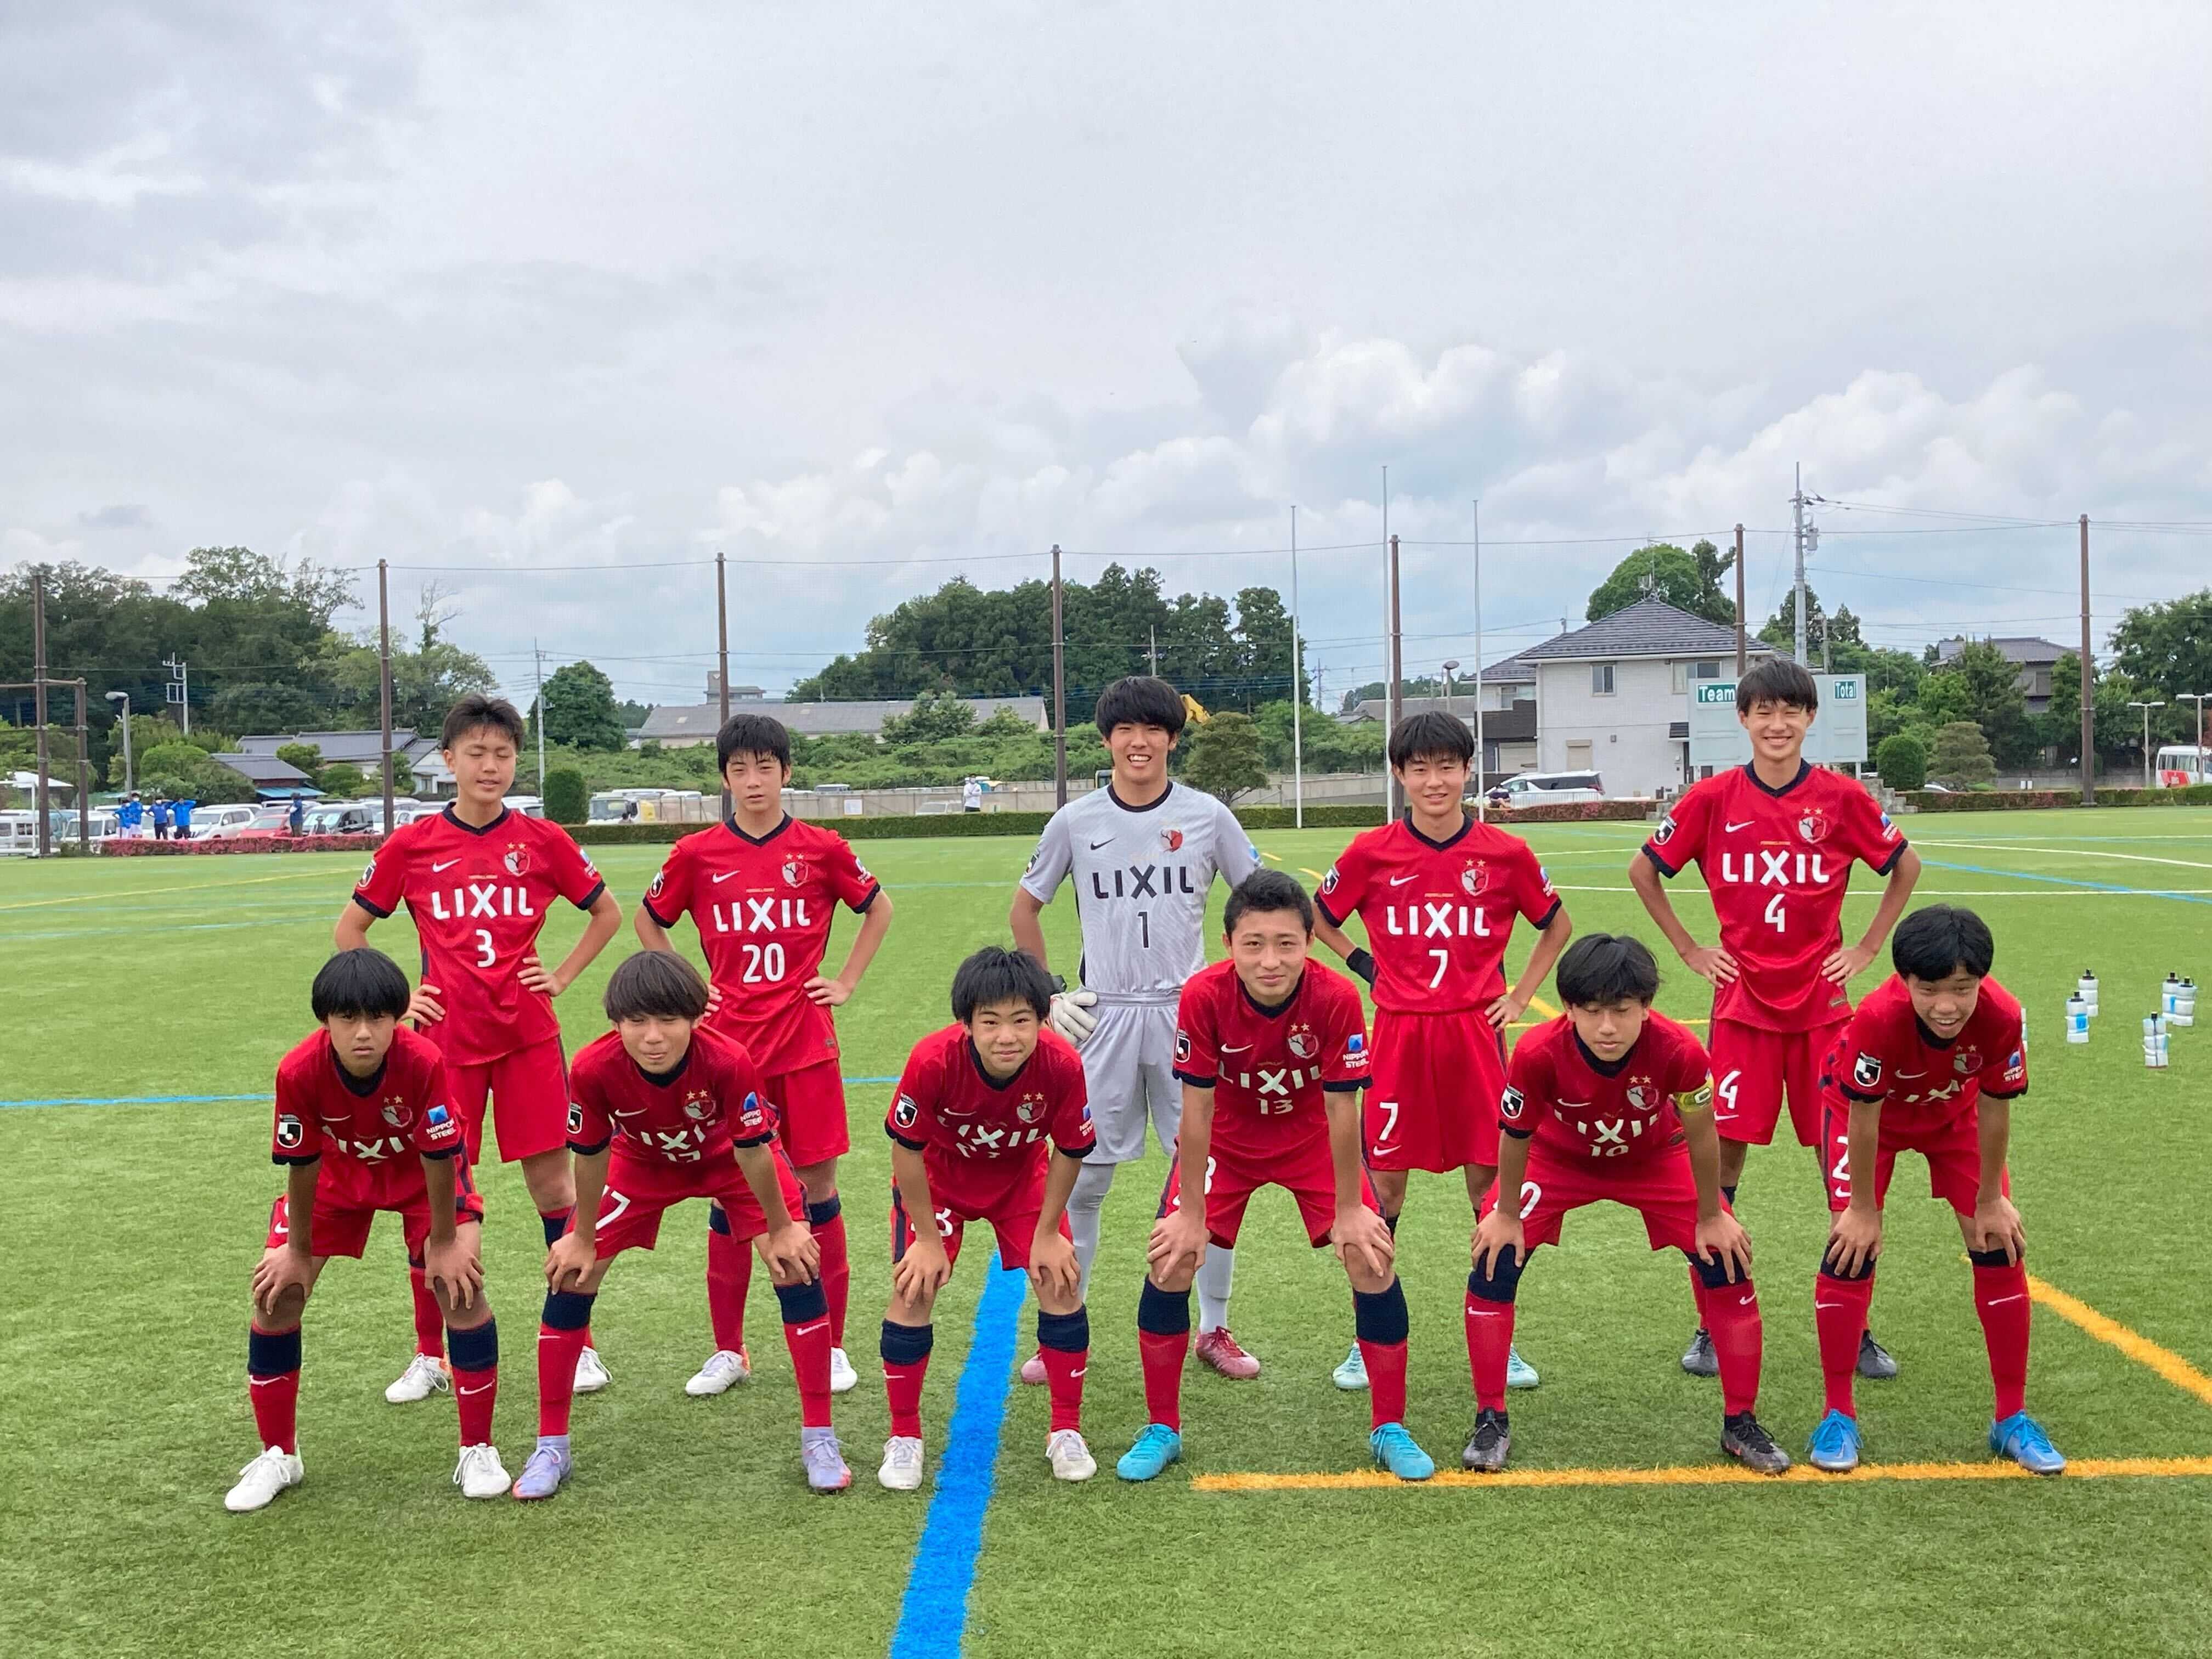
<point x="2088" y="683"/>
<point x="2159" y="702"/>
<point x="122" y="700"/>
<point x="722" y="681"/>
<point x="1741" y="650"/>
<point x="2196" y="697"/>
<point x="40" y="797"/>
<point x="1298" y="689"/>
<point x="384" y="676"/>
<point x="1481" y="753"/>
<point x="1059" y="690"/>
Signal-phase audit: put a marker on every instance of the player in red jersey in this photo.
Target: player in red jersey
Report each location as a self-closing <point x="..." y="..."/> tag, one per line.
<point x="975" y="1107"/>
<point x="1272" y="1050"/>
<point x="665" y="1111"/>
<point x="1613" y="1101"/>
<point x="1438" y="891"/>
<point x="1930" y="1063"/>
<point x="762" y="888"/>
<point x="364" y="1123"/>
<point x="478" y="881"/>
<point x="1775" y="841"/>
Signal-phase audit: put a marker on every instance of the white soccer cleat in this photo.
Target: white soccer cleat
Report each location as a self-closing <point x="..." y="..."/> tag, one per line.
<point x="843" y="1379"/>
<point x="1070" y="1458"/>
<point x="724" y="1369"/>
<point x="901" y="1466"/>
<point x="591" y="1374"/>
<point x="259" y="1481"/>
<point x="480" y="1473"/>
<point x="426" y="1374"/>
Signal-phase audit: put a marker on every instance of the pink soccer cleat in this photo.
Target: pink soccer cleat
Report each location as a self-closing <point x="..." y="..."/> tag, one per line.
<point x="1218" y="1349"/>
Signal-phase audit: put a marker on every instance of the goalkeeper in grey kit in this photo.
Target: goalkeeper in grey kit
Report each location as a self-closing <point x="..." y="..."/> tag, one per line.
<point x="1143" y="853"/>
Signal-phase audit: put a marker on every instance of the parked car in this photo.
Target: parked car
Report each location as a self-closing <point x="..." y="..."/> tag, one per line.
<point x="219" y="822"/>
<point x="1534" y="788"/>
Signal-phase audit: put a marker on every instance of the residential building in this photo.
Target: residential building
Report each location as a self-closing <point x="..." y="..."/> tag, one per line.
<point x="416" y="753"/>
<point x="678" y="726"/>
<point x="2035" y="659"/>
<point x="1509" y="724"/>
<point x="272" y="779"/>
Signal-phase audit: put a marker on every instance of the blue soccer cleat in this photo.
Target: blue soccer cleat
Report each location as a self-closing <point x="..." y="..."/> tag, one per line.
<point x="547" y="1471"/>
<point x="1519" y="1373"/>
<point x="1835" y="1445"/>
<point x="2022" y="1438"/>
<point x="1394" y="1448"/>
<point x="1156" y="1447"/>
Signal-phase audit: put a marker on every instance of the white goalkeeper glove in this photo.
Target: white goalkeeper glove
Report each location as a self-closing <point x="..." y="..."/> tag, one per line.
<point x="1071" y="1015"/>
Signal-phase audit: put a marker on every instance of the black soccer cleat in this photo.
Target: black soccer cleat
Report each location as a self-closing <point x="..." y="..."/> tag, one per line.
<point x="1699" y="1359"/>
<point x="1742" y="1439"/>
<point x="1488" y="1447"/>
<point x="1875" y="1363"/>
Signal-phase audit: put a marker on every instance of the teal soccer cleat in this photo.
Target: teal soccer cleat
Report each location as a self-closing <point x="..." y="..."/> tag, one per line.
<point x="2022" y="1438"/>
<point x="1835" y="1445"/>
<point x="1156" y="1447"/>
<point x="1394" y="1448"/>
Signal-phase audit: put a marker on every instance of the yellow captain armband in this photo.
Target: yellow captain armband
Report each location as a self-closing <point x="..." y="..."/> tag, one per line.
<point x="1698" y="1099"/>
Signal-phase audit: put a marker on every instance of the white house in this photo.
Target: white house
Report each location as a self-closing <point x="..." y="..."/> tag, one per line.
<point x="1611" y="697"/>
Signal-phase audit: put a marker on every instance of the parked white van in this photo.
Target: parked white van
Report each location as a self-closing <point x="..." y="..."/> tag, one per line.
<point x="1540" y="788"/>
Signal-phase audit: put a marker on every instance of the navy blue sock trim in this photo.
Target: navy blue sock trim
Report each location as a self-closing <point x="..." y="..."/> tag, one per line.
<point x="272" y="1354"/>
<point x="1991" y="1258"/>
<point x="1380" y="1315"/>
<point x="1829" y="1271"/>
<point x="1714" y="1274"/>
<point x="907" y="1345"/>
<point x="476" y="1349"/>
<point x="1728" y="1192"/>
<point x="415" y="1263"/>
<point x="802" y="1301"/>
<point x="1068" y="1332"/>
<point x="1163" y="1313"/>
<point x="1391" y="1222"/>
<point x="718" y="1220"/>
<point x="1501" y="1282"/>
<point x="567" y="1310"/>
<point x="555" y="1226"/>
<point x="823" y="1213"/>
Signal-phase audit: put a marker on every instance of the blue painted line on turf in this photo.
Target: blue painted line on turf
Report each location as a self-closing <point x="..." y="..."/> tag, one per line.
<point x="208" y="1100"/>
<point x="933" y="1616"/>
<point x="2067" y="881"/>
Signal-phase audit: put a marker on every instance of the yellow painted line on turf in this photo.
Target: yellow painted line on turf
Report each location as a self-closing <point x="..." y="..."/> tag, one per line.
<point x="1273" y="857"/>
<point x="2141" y="1349"/>
<point x="1315" y="874"/>
<point x="182" y="887"/>
<point x="1703" y="1474"/>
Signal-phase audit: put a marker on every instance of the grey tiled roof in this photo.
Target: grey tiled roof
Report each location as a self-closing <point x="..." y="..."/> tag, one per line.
<point x="2027" y="653"/>
<point x="815" y="720"/>
<point x="354" y="746"/>
<point x="1649" y="627"/>
<point x="264" y="770"/>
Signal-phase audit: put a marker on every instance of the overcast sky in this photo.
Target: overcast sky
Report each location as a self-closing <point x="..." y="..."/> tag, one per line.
<point x="510" y="287"/>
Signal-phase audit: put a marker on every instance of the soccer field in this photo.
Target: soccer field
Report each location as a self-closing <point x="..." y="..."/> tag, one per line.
<point x="150" y="1000"/>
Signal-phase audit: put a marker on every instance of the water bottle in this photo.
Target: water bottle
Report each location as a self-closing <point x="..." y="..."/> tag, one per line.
<point x="2077" y="1019"/>
<point x="2154" y="1041"/>
<point x="2087" y="989"/>
<point x="2184" y="1000"/>
<point x="2169" y="996"/>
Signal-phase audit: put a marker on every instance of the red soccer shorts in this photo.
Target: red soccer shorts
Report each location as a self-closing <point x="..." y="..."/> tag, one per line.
<point x="1307" y="1173"/>
<point x="638" y="1189"/>
<point x="1752" y="1067"/>
<point x="1953" y="1152"/>
<point x="529" y="1093"/>
<point x="1657" y="1187"/>
<point x="1433" y="1104"/>
<point x="810" y="1107"/>
<point x="345" y="1204"/>
<point x="1012" y="1214"/>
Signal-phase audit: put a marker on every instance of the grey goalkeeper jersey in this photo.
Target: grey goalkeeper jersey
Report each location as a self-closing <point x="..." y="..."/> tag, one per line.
<point x="1141" y="875"/>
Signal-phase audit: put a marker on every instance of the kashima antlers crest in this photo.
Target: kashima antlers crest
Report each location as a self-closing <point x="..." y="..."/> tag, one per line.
<point x="1813" y="825"/>
<point x="517" y="861"/>
<point x="1474" y="878"/>
<point x="1172" y="840"/>
<point x="1303" y="1045"/>
<point x="794" y="872"/>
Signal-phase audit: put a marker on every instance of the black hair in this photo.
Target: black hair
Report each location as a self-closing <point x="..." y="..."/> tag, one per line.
<point x="1778" y="679"/>
<point x="1141" y="700"/>
<point x="1266" y="891"/>
<point x="751" y="734"/>
<point x="479" y="713"/>
<point x="654" y="984"/>
<point x="995" y="975"/>
<point x="1432" y="736"/>
<point x="363" y="983"/>
<point x="1602" y="968"/>
<point x="1935" y="942"/>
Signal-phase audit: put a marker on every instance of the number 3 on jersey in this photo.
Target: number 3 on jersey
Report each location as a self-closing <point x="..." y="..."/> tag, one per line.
<point x="486" y="955"/>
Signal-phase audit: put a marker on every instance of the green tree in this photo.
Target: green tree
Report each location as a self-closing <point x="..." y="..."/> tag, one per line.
<point x="936" y="717"/>
<point x="566" y="796"/>
<point x="2166" y="647"/>
<point x="1962" y="756"/>
<point x="579" y="703"/>
<point x="1222" y="758"/>
<point x="184" y="761"/>
<point x="1330" y="746"/>
<point x="1990" y="694"/>
<point x="1689" y="578"/>
<point x="1263" y="648"/>
<point x="1944" y="698"/>
<point x="306" y="756"/>
<point x="1780" y="629"/>
<point x="1902" y="761"/>
<point x="345" y="781"/>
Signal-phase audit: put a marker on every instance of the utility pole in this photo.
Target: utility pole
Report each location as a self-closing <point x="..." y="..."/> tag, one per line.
<point x="722" y="680"/>
<point x="2196" y="697"/>
<point x="1153" y="635"/>
<point x="2088" y="683"/>
<point x="179" y="691"/>
<point x="1389" y="679"/>
<point x="1298" y="689"/>
<point x="83" y="779"/>
<point x="384" y="676"/>
<point x="1481" y="753"/>
<point x="540" y="655"/>
<point x="1740" y="644"/>
<point x="39" y="795"/>
<point x="1798" y="541"/>
<point x="122" y="700"/>
<point x="2159" y="702"/>
<point x="1397" y="671"/>
<point x="1059" y="691"/>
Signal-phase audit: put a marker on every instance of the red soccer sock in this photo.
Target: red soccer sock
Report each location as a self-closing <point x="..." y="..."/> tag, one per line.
<point x="556" y="1223"/>
<point x="2000" y="1300"/>
<point x="903" y="1381"/>
<point x="1386" y="1381"/>
<point x="476" y="1379"/>
<point x="1163" y="1353"/>
<point x="429" y="1318"/>
<point x="1489" y="1340"/>
<point x="809" y="1342"/>
<point x="272" y="1377"/>
<point x="1730" y="1315"/>
<point x="1063" y="1374"/>
<point x="827" y="1220"/>
<point x="558" y="1349"/>
<point x="729" y="1277"/>
<point x="1840" y="1314"/>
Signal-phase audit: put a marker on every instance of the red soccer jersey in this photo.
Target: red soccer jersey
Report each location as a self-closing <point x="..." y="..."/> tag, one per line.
<point x="1578" y="1107"/>
<point x="1438" y="912"/>
<point x="379" y="1122"/>
<point x="977" y="1135"/>
<point x="1887" y="1055"/>
<point x="1777" y="862"/>
<point x="762" y="909"/>
<point x="479" y="898"/>
<point x="709" y="1102"/>
<point x="1269" y="1067"/>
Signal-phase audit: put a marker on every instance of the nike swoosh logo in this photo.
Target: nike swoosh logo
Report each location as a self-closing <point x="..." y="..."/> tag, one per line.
<point x="264" y="1382"/>
<point x="1478" y="1313"/>
<point x="1730" y="828"/>
<point x="1096" y="845"/>
<point x="1574" y="1105"/>
<point x="470" y="1393"/>
<point x="640" y="1112"/>
<point x="1746" y="1301"/>
<point x="2001" y="1300"/>
<point x="1073" y="1375"/>
<point x="1817" y="1306"/>
<point x="725" y="875"/>
<point x="1400" y="881"/>
<point x="1906" y="1074"/>
<point x="809" y="1330"/>
<point x="1244" y="1048"/>
<point x="437" y="868"/>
